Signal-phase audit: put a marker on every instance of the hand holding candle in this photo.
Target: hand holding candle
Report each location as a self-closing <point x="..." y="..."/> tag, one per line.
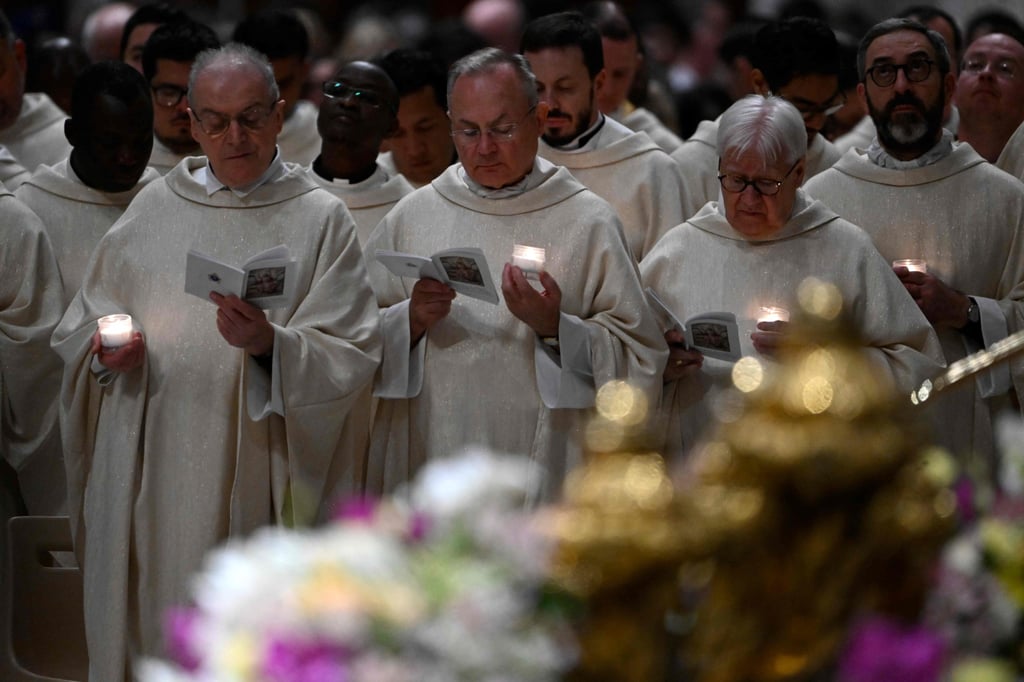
<point x="771" y="323"/>
<point x="771" y="313"/>
<point x="529" y="259"/>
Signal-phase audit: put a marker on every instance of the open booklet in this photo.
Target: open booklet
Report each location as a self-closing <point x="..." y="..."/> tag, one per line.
<point x="267" y="280"/>
<point x="716" y="335"/>
<point x="464" y="269"/>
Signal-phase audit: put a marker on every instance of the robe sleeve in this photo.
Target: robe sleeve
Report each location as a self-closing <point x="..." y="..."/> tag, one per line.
<point x="401" y="369"/>
<point x="994" y="327"/>
<point x="566" y="379"/>
<point x="30" y="308"/>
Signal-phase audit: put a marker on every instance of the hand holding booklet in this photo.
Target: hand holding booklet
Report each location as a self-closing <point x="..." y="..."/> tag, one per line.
<point x="267" y="280"/>
<point x="464" y="270"/>
<point x="716" y="334"/>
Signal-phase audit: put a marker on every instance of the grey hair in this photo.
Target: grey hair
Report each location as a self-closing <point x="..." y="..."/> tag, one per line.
<point x="769" y="128"/>
<point x="488" y="60"/>
<point x="888" y="26"/>
<point x="234" y="54"/>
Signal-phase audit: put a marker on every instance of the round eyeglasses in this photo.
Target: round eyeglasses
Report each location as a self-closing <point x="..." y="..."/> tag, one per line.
<point x="764" y="186"/>
<point x="1001" y="68"/>
<point x="253" y="119"/>
<point x="916" y="70"/>
<point x="503" y="132"/>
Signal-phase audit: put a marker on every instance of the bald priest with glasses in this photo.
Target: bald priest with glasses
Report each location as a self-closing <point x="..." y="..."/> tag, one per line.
<point x="518" y="375"/>
<point x="216" y="417"/>
<point x="920" y="194"/>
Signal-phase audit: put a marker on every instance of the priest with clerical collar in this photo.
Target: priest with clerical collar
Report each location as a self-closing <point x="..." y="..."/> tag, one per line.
<point x="750" y="251"/>
<point x="518" y="376"/>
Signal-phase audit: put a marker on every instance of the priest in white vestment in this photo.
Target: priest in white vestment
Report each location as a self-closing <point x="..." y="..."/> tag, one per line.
<point x="217" y="418"/>
<point x="79" y="198"/>
<point x="1011" y="159"/>
<point x="752" y="249"/>
<point x="519" y="376"/>
<point x="921" y="195"/>
<point x="796" y="59"/>
<point x="30" y="307"/>
<point x="625" y="168"/>
<point x="357" y="113"/>
<point x="623" y="62"/>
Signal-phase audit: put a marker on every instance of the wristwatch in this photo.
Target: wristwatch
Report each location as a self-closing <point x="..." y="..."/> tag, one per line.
<point x="973" y="311"/>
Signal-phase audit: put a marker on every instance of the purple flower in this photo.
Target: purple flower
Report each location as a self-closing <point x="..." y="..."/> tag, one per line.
<point x="180" y="632"/>
<point x="292" y="660"/>
<point x="882" y="650"/>
<point x="964" y="490"/>
<point x="419" y="526"/>
<point x="356" y="509"/>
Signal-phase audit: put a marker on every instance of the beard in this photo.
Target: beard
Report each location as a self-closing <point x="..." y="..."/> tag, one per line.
<point x="906" y="133"/>
<point x="582" y="123"/>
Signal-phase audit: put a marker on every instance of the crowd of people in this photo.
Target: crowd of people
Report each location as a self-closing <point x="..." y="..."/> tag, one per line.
<point x="835" y="159"/>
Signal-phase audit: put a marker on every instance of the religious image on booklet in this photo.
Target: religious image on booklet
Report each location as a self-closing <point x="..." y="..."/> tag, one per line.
<point x="464" y="269"/>
<point x="716" y="335"/>
<point x="267" y="280"/>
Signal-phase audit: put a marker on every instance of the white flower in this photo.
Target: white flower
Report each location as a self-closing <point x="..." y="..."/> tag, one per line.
<point x="475" y="480"/>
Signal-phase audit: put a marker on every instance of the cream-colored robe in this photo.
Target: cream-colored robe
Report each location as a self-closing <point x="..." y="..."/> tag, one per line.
<point x="12" y="173"/>
<point x="480" y="375"/>
<point x="1011" y="159"/>
<point x="37" y="137"/>
<point x="171" y="459"/>
<point x="706" y="266"/>
<point x="698" y="159"/>
<point x="858" y="137"/>
<point x="30" y="307"/>
<point x="644" y="121"/>
<point x="75" y="215"/>
<point x="630" y="172"/>
<point x="299" y="141"/>
<point x="162" y="159"/>
<point x="368" y="201"/>
<point x="965" y="217"/>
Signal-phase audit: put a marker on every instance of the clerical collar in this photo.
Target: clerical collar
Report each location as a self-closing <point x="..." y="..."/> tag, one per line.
<point x="589" y="134"/>
<point x="531" y="180"/>
<point x="882" y="158"/>
<point x="204" y="176"/>
<point x="379" y="174"/>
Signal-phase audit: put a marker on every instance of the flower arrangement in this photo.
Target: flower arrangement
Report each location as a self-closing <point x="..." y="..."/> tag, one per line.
<point x="444" y="583"/>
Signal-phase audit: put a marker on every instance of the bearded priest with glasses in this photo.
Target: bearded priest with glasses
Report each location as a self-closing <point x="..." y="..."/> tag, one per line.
<point x="747" y="255"/>
<point x="519" y="375"/>
<point x="920" y="194"/>
<point x="216" y="417"/>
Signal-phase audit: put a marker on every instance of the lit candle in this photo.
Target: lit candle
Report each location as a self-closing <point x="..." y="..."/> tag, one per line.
<point x="912" y="264"/>
<point x="771" y="313"/>
<point x="115" y="330"/>
<point x="530" y="259"/>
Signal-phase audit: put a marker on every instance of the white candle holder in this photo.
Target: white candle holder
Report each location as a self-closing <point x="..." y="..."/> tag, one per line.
<point x="912" y="264"/>
<point x="115" y="330"/>
<point x="771" y="313"/>
<point x="529" y="259"/>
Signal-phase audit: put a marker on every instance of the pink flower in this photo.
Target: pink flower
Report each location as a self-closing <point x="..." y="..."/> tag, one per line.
<point x="882" y="650"/>
<point x="356" y="509"/>
<point x="180" y="632"/>
<point x="293" y="660"/>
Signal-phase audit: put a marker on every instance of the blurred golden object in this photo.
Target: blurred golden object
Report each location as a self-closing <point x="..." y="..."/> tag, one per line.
<point x="966" y="368"/>
<point x="814" y="503"/>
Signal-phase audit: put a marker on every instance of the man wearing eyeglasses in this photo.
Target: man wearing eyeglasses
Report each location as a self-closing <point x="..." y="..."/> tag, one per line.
<point x="520" y="375"/>
<point x="166" y="61"/>
<point x="921" y="195"/>
<point x="217" y="417"/>
<point x="357" y="113"/>
<point x="753" y="248"/>
<point x="625" y="168"/>
<point x="796" y="59"/>
<point x="990" y="97"/>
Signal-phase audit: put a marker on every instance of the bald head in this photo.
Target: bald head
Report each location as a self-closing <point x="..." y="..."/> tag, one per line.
<point x="102" y="30"/>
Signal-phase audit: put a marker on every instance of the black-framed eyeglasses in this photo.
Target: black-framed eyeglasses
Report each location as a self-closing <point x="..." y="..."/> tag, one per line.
<point x="763" y="186"/>
<point x="916" y="70"/>
<point x="168" y="95"/>
<point x="503" y="132"/>
<point x="253" y="119"/>
<point x="807" y="111"/>
<point x="342" y="90"/>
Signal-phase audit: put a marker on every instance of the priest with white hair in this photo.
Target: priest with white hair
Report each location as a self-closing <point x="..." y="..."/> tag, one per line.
<point x="752" y="249"/>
